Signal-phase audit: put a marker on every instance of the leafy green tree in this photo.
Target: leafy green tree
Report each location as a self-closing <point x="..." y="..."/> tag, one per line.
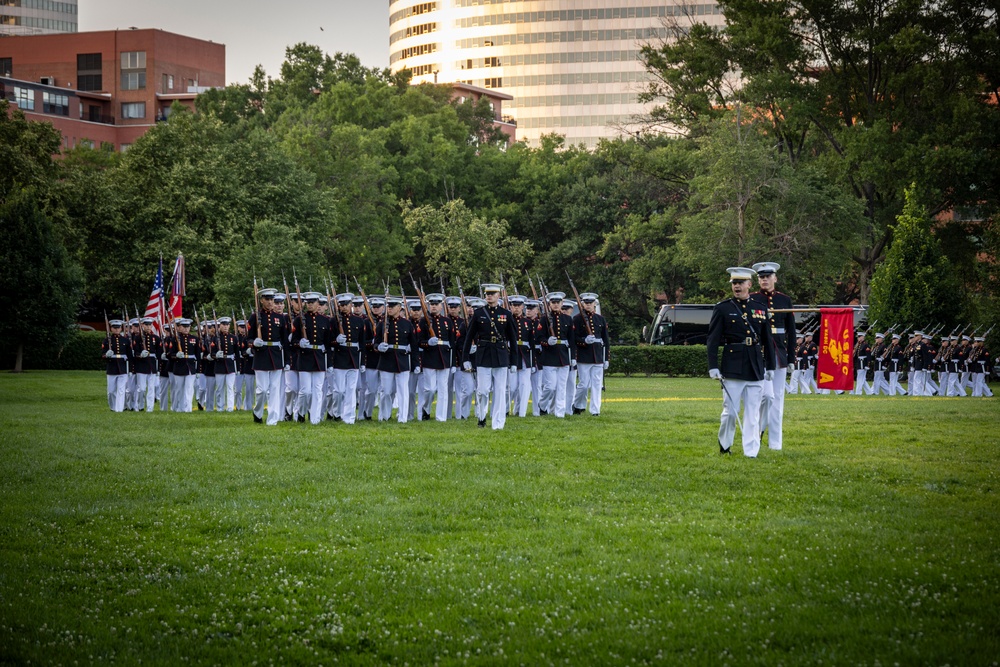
<point x="455" y="242"/>
<point x="887" y="93"/>
<point x="915" y="286"/>
<point x="749" y="202"/>
<point x="40" y="282"/>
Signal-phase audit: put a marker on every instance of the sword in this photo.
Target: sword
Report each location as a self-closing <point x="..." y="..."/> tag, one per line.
<point x="736" y="407"/>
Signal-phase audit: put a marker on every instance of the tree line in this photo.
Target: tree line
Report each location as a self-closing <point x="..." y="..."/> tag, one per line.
<point x="797" y="133"/>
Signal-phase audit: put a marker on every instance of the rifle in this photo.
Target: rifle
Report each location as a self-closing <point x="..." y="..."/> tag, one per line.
<point x="256" y="302"/>
<point x="461" y="295"/>
<point x="302" y="316"/>
<point x="590" y="330"/>
<point x="331" y="295"/>
<point x="385" y="320"/>
<point x="534" y="294"/>
<point x="368" y="310"/>
<point x="142" y="339"/>
<point x="107" y="328"/>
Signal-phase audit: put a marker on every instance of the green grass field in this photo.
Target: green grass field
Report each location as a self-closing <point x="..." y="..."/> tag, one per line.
<point x="872" y="539"/>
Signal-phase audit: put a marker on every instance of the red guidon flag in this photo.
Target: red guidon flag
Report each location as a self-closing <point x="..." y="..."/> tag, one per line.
<point x="835" y="368"/>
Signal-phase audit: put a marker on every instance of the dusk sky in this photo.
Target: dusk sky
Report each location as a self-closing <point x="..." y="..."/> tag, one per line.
<point x="255" y="32"/>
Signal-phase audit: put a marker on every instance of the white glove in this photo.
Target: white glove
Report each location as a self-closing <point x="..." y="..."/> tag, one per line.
<point x="467" y="366"/>
<point x="304" y="343"/>
<point x="473" y="348"/>
<point x="258" y="342"/>
<point x="453" y="369"/>
<point x="416" y="371"/>
<point x="109" y="354"/>
<point x="163" y="356"/>
<point x="363" y="369"/>
<point x="590" y="339"/>
<point x="512" y="369"/>
<point x="330" y="370"/>
<point x="180" y="355"/>
<point x="249" y="354"/>
<point x="287" y="368"/>
<point x="144" y="354"/>
<point x="769" y="375"/>
<point x="432" y="341"/>
<point x="715" y="373"/>
<point x="382" y="347"/>
<point x="553" y="340"/>
<point x="341" y="339"/>
<point x="605" y="365"/>
<point x="572" y="363"/>
<point x="219" y="355"/>
<point x="533" y="370"/>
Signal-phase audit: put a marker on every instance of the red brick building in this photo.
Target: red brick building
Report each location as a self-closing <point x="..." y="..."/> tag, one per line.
<point x="108" y="86"/>
<point x="507" y="125"/>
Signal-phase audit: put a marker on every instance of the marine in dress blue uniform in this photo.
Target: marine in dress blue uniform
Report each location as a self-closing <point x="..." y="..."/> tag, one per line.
<point x="593" y="354"/>
<point x="490" y="346"/>
<point x="782" y="325"/>
<point x="557" y="338"/>
<point x="270" y="330"/>
<point x="436" y="336"/>
<point x="116" y="349"/>
<point x="395" y="338"/>
<point x="742" y="328"/>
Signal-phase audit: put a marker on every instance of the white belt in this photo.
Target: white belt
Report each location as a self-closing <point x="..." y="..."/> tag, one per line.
<point x="404" y="348"/>
<point x="562" y="342"/>
<point x="779" y="330"/>
<point x="350" y="345"/>
<point x="523" y="344"/>
<point x="272" y="343"/>
<point x="314" y="347"/>
<point x="231" y="356"/>
<point x="119" y="356"/>
<point x="444" y="343"/>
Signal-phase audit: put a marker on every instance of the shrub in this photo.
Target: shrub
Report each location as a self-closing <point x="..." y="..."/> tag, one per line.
<point x="82" y="352"/>
<point x="671" y="360"/>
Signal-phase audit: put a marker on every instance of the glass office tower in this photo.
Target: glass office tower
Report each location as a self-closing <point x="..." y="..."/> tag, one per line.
<point x="572" y="66"/>
<point x="37" y="17"/>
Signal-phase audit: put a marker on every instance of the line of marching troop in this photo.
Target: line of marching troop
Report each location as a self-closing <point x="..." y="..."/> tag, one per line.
<point x="962" y="365"/>
<point x="313" y="365"/>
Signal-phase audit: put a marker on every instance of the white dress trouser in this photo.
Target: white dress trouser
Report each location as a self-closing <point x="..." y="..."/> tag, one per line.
<point x="860" y="386"/>
<point x="225" y="392"/>
<point x="591" y="379"/>
<point x="291" y="393"/>
<point x="199" y="388"/>
<point x="182" y="393"/>
<point x="465" y="386"/>
<point x="554" y="381"/>
<point x="163" y="391"/>
<point x="371" y="382"/>
<point x="345" y="393"/>
<point x="523" y="393"/>
<point x="894" y="387"/>
<point x="434" y="382"/>
<point x="916" y="383"/>
<point x="570" y="387"/>
<point x="772" y="407"/>
<point x="956" y="388"/>
<point x="209" y="397"/>
<point x="536" y="390"/>
<point x="116" y="392"/>
<point x="244" y="391"/>
<point x="492" y="381"/>
<point x="145" y="391"/>
<point x="750" y="393"/>
<point x="805" y="381"/>
<point x="310" y="398"/>
<point x="394" y="385"/>
<point x="130" y="393"/>
<point x="414" y="384"/>
<point x="267" y="392"/>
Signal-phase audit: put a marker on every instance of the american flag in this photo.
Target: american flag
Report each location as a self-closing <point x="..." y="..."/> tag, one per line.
<point x="155" y="307"/>
<point x="178" y="288"/>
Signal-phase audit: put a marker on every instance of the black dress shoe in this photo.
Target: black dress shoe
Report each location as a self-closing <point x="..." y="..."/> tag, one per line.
<point x="543" y="412"/>
<point x="338" y="419"/>
<point x="257" y="420"/>
<point x="201" y="407"/>
<point x="301" y="419"/>
<point x="288" y="418"/>
<point x="722" y="450"/>
<point x="426" y="417"/>
<point x="482" y="423"/>
<point x="577" y="411"/>
<point x="329" y="417"/>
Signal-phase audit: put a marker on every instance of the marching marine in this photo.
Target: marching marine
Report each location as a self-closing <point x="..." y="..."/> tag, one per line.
<point x="117" y="351"/>
<point x="742" y="327"/>
<point x="782" y="325"/>
<point x="593" y="354"/>
<point x="490" y="345"/>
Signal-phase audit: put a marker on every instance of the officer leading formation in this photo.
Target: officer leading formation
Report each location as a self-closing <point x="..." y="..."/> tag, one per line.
<point x="337" y="358"/>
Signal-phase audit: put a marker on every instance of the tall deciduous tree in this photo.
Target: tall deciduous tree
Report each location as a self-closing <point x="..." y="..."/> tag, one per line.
<point x="455" y="242"/>
<point x="890" y="93"/>
<point x="40" y="283"/>
<point x="915" y="286"/>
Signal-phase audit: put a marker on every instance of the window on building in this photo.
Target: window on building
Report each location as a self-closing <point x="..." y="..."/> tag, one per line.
<point x="133" y="70"/>
<point x="496" y="82"/>
<point x="133" y="110"/>
<point x="6" y="66"/>
<point x="88" y="71"/>
<point x="55" y="104"/>
<point x="24" y="98"/>
<point x="168" y="82"/>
